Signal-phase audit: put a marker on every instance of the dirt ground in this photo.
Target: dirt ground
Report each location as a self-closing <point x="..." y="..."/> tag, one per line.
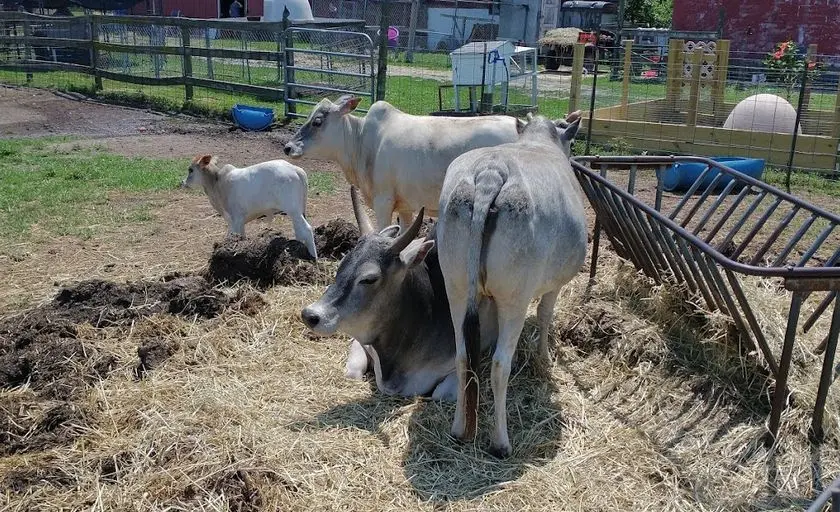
<point x="188" y="226"/>
<point x="160" y="367"/>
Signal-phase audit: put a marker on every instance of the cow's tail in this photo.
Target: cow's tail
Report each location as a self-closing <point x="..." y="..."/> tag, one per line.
<point x="488" y="184"/>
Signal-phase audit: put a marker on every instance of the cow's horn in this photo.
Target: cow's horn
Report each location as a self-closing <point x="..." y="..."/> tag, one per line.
<point x="361" y="217"/>
<point x="405" y="238"/>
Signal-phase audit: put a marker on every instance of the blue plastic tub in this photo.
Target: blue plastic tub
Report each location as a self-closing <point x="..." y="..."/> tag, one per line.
<point x="681" y="177"/>
<point x="252" y="118"/>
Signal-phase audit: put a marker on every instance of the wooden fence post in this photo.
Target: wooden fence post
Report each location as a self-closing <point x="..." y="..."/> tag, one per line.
<point x="94" y="53"/>
<point x="694" y="94"/>
<point x="210" y="73"/>
<point x="673" y="84"/>
<point x="577" y="76"/>
<point x="187" y="56"/>
<point x="412" y="30"/>
<point x="719" y="86"/>
<point x="628" y="72"/>
<point x="836" y="131"/>
<point x="27" y="47"/>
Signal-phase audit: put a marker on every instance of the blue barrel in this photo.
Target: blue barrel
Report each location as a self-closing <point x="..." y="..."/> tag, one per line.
<point x="681" y="176"/>
<point x="252" y="118"/>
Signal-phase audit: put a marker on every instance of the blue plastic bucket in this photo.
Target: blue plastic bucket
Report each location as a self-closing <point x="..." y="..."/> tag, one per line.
<point x="252" y="118"/>
<point x="681" y="176"/>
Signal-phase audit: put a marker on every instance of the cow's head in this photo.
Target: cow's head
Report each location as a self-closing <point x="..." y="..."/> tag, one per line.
<point x="561" y="132"/>
<point x="200" y="168"/>
<point x="323" y="130"/>
<point x="368" y="280"/>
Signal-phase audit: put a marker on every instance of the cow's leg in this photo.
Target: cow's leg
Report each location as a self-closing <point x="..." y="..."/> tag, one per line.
<point x="511" y="321"/>
<point x="237" y="224"/>
<point x="303" y="233"/>
<point x="460" y="429"/>
<point x="383" y="207"/>
<point x="447" y="389"/>
<point x="358" y="362"/>
<point x="545" y="314"/>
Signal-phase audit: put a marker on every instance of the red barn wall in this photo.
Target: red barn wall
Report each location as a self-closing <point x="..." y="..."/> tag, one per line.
<point x="757" y="25"/>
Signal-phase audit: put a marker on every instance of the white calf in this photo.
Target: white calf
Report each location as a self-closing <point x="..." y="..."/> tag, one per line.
<point x="264" y="189"/>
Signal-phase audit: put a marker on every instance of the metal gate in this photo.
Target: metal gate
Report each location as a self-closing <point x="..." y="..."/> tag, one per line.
<point x="318" y="62"/>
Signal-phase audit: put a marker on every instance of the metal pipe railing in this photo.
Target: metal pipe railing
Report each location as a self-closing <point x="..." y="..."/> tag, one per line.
<point x="672" y="248"/>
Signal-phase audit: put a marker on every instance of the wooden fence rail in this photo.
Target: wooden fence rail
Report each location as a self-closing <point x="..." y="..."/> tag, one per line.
<point x="167" y="37"/>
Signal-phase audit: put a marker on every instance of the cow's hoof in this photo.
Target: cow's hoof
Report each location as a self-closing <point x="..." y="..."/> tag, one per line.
<point x="500" y="452"/>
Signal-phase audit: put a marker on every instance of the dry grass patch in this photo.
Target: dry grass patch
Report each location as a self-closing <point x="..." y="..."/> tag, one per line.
<point x="644" y="408"/>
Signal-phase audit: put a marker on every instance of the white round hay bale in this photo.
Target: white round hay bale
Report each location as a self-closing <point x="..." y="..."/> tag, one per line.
<point x="763" y="113"/>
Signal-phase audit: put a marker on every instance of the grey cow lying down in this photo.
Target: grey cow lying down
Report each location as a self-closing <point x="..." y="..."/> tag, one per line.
<point x="389" y="296"/>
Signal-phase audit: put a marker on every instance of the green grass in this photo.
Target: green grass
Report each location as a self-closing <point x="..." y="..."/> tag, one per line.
<point x="70" y="192"/>
<point x="609" y="93"/>
<point x="55" y="191"/>
<point x="321" y="183"/>
<point x="803" y="182"/>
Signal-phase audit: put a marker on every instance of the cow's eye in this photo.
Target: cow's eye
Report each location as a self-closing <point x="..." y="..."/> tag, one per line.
<point x="368" y="280"/>
<point x="317" y="121"/>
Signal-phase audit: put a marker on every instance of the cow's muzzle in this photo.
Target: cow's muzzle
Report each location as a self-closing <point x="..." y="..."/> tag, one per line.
<point x="293" y="149"/>
<point x="310" y="318"/>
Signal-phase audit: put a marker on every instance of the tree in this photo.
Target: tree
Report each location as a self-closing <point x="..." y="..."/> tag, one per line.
<point x="651" y="13"/>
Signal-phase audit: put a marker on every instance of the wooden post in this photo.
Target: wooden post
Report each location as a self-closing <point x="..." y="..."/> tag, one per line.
<point x="836" y="131"/>
<point x="673" y="84"/>
<point x="810" y="56"/>
<point x="412" y="30"/>
<point x="94" y="54"/>
<point x="694" y="94"/>
<point x="210" y="73"/>
<point x="719" y="86"/>
<point x="628" y="72"/>
<point x="382" y="64"/>
<point x="27" y="47"/>
<point x="187" y="56"/>
<point x="577" y="76"/>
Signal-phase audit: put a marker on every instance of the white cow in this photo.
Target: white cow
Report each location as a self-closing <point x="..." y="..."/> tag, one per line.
<point x="512" y="227"/>
<point x="264" y="189"/>
<point x="396" y="160"/>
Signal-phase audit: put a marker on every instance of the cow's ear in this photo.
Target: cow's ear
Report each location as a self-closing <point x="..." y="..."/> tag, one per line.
<point x="574" y="116"/>
<point x="390" y="231"/>
<point x="569" y="133"/>
<point x="415" y="253"/>
<point x="205" y="161"/>
<point x="347" y="104"/>
<point x="520" y="125"/>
